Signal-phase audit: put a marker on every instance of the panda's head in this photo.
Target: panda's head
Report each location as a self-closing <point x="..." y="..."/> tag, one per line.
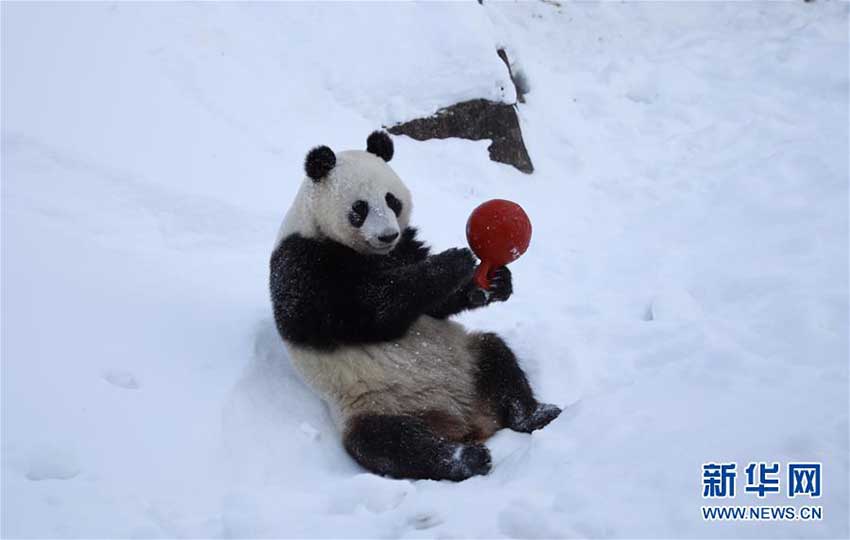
<point x="355" y="198"/>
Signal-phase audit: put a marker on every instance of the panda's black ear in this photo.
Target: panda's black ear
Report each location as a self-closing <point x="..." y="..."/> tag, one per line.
<point x="380" y="144"/>
<point x="319" y="162"/>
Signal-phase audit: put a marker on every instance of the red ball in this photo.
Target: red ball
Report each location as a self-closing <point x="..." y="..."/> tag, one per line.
<point x="498" y="231"/>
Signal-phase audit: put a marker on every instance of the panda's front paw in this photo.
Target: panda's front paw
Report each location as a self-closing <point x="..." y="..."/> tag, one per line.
<point x="501" y="285"/>
<point x="477" y="297"/>
<point x="458" y="263"/>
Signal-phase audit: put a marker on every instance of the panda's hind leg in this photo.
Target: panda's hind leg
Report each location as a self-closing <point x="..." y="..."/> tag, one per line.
<point x="502" y="383"/>
<point x="403" y="446"/>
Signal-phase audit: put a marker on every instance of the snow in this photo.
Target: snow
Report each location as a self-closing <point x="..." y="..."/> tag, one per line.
<point x="685" y="294"/>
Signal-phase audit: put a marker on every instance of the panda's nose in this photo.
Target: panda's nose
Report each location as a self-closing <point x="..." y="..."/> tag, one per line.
<point x="389" y="237"/>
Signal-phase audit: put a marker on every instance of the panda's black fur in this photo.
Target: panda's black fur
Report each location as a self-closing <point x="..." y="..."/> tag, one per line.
<point x="326" y="294"/>
<point x="319" y="162"/>
<point x="339" y="309"/>
<point x="380" y="144"/>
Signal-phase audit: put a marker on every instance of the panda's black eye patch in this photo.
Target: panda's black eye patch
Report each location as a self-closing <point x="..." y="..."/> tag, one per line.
<point x="359" y="211"/>
<point x="394" y="204"/>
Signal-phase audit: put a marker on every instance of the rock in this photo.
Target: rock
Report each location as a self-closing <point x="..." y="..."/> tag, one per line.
<point x="475" y="120"/>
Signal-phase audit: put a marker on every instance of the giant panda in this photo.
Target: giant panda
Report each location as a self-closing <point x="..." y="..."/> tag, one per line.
<point x="363" y="308"/>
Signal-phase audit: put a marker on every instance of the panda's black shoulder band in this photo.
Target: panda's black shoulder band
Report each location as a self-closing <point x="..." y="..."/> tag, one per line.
<point x="319" y="162"/>
<point x="380" y="144"/>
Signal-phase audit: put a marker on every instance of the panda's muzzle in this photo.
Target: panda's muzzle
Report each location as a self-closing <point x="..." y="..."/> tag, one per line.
<point x="389" y="237"/>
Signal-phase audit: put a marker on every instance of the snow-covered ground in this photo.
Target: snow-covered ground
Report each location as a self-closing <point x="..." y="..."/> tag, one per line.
<point x="685" y="295"/>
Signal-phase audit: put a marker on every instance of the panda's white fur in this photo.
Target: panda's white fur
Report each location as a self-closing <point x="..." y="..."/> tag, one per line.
<point x="431" y="367"/>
